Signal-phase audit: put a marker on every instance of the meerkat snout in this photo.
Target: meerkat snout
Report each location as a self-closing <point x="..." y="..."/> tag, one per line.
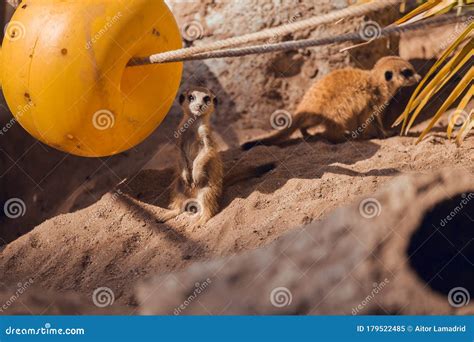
<point x="199" y="101"/>
<point x="397" y="72"/>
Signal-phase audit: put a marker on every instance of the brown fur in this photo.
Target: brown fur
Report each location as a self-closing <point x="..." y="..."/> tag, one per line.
<point x="346" y="99"/>
<point x="199" y="171"/>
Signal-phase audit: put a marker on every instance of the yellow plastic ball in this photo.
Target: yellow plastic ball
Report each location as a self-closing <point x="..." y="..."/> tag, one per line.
<point x="64" y="73"/>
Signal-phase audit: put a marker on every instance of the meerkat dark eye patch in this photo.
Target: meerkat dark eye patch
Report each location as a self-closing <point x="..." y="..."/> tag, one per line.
<point x="407" y="73"/>
<point x="190" y="98"/>
<point x="388" y="75"/>
<point x="207" y="99"/>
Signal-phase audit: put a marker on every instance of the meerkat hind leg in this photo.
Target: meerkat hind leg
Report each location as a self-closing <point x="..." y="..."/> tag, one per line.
<point x="208" y="198"/>
<point x="176" y="207"/>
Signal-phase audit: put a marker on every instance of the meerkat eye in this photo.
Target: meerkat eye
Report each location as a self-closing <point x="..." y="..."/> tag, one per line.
<point x="207" y="99"/>
<point x="407" y="73"/>
<point x="190" y="98"/>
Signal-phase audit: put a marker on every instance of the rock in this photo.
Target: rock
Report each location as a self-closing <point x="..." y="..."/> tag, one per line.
<point x="406" y="250"/>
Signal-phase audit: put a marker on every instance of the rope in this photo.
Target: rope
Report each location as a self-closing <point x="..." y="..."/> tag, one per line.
<point x="283" y="30"/>
<point x="304" y="43"/>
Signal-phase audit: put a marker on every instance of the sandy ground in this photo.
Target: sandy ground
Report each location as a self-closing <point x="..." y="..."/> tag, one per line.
<point x="117" y="241"/>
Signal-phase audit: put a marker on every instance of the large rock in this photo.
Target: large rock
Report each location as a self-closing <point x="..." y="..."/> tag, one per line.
<point x="406" y="250"/>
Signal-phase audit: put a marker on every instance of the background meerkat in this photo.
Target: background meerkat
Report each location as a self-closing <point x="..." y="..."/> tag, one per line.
<point x="200" y="176"/>
<point x="347" y="99"/>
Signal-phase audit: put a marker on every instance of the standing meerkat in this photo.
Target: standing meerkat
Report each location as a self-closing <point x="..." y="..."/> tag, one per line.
<point x="200" y="173"/>
<point x="346" y="100"/>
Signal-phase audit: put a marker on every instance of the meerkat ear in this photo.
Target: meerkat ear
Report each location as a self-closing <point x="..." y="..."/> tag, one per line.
<point x="388" y="75"/>
<point x="182" y="97"/>
<point x="216" y="102"/>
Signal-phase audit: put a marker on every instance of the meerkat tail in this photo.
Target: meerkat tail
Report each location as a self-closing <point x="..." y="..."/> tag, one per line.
<point x="251" y="172"/>
<point x="276" y="137"/>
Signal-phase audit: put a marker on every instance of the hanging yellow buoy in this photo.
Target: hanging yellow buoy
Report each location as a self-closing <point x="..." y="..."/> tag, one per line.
<point x="64" y="73"/>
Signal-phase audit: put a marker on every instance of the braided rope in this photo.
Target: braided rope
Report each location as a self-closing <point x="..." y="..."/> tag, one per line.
<point x="182" y="54"/>
<point x="304" y="43"/>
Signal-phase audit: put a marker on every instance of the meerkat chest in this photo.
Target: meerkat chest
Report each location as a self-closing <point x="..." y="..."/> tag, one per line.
<point x="192" y="147"/>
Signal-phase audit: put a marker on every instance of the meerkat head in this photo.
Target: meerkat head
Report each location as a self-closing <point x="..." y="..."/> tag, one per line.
<point x="396" y="73"/>
<point x="198" y="101"/>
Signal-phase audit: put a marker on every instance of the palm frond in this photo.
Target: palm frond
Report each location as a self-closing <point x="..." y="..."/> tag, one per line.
<point x="457" y="56"/>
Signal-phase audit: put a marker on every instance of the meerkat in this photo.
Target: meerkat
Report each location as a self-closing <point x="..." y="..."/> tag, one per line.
<point x="346" y="100"/>
<point x="199" y="172"/>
